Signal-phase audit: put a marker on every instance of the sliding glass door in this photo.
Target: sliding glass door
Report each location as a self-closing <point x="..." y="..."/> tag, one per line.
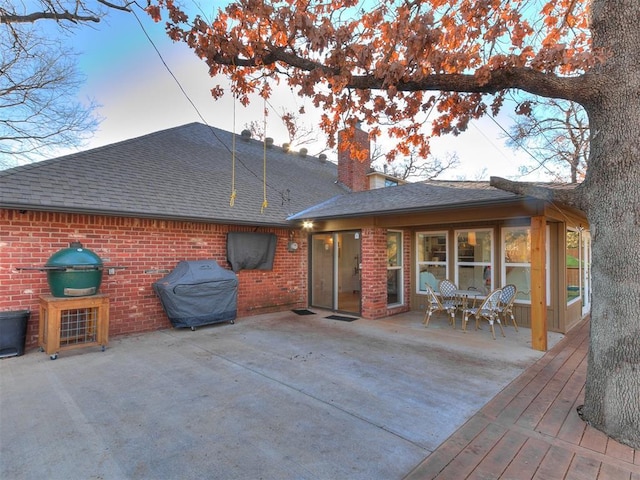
<point x="335" y="271"/>
<point x="322" y="278"/>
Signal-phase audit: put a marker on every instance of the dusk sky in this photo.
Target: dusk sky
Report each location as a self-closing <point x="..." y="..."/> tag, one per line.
<point x="138" y="95"/>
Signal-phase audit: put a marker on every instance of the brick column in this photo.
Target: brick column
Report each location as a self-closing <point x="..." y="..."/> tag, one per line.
<point x="374" y="272"/>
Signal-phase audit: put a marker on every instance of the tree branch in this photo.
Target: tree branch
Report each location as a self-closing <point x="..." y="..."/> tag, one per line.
<point x="528" y="79"/>
<point x="52" y="13"/>
<point x="567" y="195"/>
<point x="533" y="81"/>
<point x="33" y="17"/>
<point x="124" y="8"/>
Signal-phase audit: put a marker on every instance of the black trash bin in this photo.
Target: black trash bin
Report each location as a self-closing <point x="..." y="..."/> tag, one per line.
<point x="13" y="332"/>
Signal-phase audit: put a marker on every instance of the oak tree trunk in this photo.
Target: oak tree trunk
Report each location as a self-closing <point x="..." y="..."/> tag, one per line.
<point x="612" y="201"/>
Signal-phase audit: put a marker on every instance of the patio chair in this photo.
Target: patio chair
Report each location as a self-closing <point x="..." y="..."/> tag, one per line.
<point x="435" y="305"/>
<point x="505" y="308"/>
<point x="448" y="292"/>
<point x="487" y="310"/>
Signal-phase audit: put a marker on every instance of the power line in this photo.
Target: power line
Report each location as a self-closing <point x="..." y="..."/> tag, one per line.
<point x="193" y="105"/>
<point x="541" y="164"/>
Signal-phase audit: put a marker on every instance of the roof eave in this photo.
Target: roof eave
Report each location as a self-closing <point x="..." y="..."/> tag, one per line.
<point x="403" y="211"/>
<point x="145" y="215"/>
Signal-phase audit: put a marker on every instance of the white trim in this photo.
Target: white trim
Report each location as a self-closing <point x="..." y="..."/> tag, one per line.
<point x="579" y="258"/>
<point x="458" y="264"/>
<point x="586" y="271"/>
<point x="504" y="264"/>
<point x="503" y="268"/>
<point x="399" y="267"/>
<point x="431" y="262"/>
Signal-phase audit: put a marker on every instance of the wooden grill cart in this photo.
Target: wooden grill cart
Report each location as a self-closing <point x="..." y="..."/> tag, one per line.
<point x="73" y="322"/>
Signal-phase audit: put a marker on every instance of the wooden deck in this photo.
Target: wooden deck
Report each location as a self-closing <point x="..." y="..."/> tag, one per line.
<point x="531" y="429"/>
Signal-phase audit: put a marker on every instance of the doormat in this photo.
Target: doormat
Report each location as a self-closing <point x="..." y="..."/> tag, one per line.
<point x="302" y="311"/>
<point x="342" y="318"/>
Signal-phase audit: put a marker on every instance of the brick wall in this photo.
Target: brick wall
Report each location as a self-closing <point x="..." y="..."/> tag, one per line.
<point x="148" y="249"/>
<point x="374" y="273"/>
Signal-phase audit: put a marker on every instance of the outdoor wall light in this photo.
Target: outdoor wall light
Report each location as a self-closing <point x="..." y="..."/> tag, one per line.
<point x="292" y="245"/>
<point x="307" y="224"/>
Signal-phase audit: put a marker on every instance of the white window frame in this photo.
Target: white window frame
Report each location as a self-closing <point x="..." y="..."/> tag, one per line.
<point x="399" y="267"/>
<point x="438" y="263"/>
<point x="458" y="264"/>
<point x="585" y="235"/>
<point x="504" y="264"/>
<point x="580" y="268"/>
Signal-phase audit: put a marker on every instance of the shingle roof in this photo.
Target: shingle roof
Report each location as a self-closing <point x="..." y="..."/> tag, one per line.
<point x="186" y="173"/>
<point x="411" y="197"/>
<point x="179" y="173"/>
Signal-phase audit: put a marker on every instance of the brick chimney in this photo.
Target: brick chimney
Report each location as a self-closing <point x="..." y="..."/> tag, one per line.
<point x="355" y="161"/>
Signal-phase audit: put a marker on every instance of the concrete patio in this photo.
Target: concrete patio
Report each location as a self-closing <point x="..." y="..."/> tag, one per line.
<point x="277" y="396"/>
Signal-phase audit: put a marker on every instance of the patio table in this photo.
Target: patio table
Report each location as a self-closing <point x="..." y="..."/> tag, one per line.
<point x="465" y="295"/>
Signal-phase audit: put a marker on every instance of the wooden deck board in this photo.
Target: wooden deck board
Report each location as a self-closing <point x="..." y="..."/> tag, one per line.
<point x="609" y="472"/>
<point x="553" y="391"/>
<point x="558" y="414"/>
<point x="573" y="427"/>
<point x="583" y="468"/>
<point x="563" y="405"/>
<point x="594" y="440"/>
<point x="527" y="461"/>
<point x="531" y="429"/>
<point x="500" y="456"/>
<point x="440" y="458"/>
<point x="465" y="462"/>
<point x="620" y="451"/>
<point x="554" y="465"/>
<point x="528" y="395"/>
